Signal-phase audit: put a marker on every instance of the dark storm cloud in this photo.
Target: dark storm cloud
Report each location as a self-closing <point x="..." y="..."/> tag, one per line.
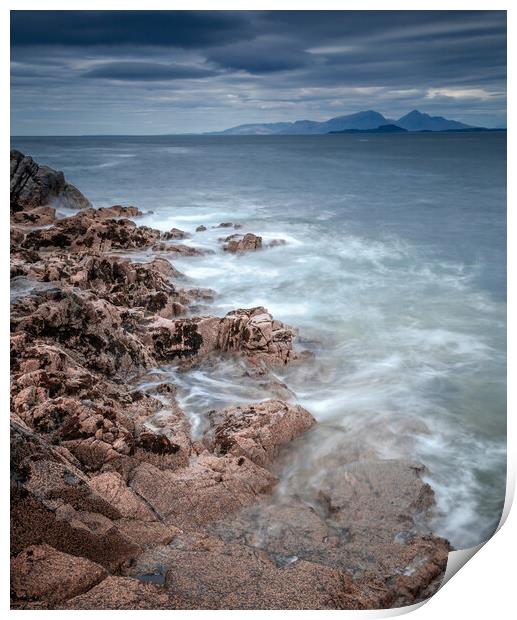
<point x="156" y="71"/>
<point x="91" y="28"/>
<point x="142" y="71"/>
<point x="261" y="56"/>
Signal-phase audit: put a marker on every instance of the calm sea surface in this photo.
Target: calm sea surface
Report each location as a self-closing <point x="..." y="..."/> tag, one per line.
<point x="394" y="272"/>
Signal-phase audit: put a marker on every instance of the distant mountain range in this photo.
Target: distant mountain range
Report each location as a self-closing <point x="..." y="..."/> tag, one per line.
<point x="370" y="121"/>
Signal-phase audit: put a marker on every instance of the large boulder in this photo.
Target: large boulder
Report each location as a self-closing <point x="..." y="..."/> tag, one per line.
<point x="175" y="233"/>
<point x="33" y="185"/>
<point x="251" y="333"/>
<point x="239" y="243"/>
<point x="254" y="333"/>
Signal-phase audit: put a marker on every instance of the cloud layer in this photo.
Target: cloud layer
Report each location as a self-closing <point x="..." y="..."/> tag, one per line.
<point x="174" y="72"/>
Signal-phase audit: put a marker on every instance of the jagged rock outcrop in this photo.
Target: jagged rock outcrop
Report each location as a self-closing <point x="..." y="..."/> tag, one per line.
<point x="100" y="334"/>
<point x="90" y="232"/>
<point x="144" y="286"/>
<point x="250" y="333"/>
<point x="255" y="334"/>
<point x="100" y="422"/>
<point x="33" y="185"/>
<point x="107" y="517"/>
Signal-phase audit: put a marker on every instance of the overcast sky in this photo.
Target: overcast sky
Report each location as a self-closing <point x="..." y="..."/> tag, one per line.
<point x="153" y="72"/>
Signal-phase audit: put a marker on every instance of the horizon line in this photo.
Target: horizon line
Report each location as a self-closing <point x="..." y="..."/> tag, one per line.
<point x="217" y="134"/>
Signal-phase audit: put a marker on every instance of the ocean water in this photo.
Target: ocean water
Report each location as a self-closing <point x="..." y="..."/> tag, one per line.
<point x="394" y="273"/>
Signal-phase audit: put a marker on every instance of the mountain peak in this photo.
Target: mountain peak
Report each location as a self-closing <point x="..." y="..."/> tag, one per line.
<point x="420" y="121"/>
<point x="415" y="113"/>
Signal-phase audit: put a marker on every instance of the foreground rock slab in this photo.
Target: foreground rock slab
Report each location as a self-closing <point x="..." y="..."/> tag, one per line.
<point x="363" y="518"/>
<point x="207" y="573"/>
<point x="42" y="572"/>
<point x="120" y="593"/>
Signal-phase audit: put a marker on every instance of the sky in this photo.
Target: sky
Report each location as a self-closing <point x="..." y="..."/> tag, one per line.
<point x="169" y="72"/>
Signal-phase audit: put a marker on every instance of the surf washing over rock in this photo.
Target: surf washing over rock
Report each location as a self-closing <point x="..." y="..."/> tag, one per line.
<point x="172" y="441"/>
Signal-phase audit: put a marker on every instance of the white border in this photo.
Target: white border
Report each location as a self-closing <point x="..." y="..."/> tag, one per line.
<point x="482" y="588"/>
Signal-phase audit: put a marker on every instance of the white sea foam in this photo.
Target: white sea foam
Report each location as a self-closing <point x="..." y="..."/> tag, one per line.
<point x="400" y="338"/>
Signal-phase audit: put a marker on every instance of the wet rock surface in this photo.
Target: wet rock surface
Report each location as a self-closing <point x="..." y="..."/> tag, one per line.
<point x="364" y="518"/>
<point x="115" y="502"/>
<point x="116" y="211"/>
<point x="175" y="233"/>
<point x="178" y="249"/>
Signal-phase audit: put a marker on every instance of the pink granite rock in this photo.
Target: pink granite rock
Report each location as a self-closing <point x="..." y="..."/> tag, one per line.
<point x="257" y="431"/>
<point x="40" y="572"/>
<point x="239" y="243"/>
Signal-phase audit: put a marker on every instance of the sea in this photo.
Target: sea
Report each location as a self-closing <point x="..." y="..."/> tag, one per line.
<point x="393" y="273"/>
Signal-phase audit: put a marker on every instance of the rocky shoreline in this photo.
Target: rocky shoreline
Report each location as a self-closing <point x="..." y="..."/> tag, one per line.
<point x="114" y="503"/>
